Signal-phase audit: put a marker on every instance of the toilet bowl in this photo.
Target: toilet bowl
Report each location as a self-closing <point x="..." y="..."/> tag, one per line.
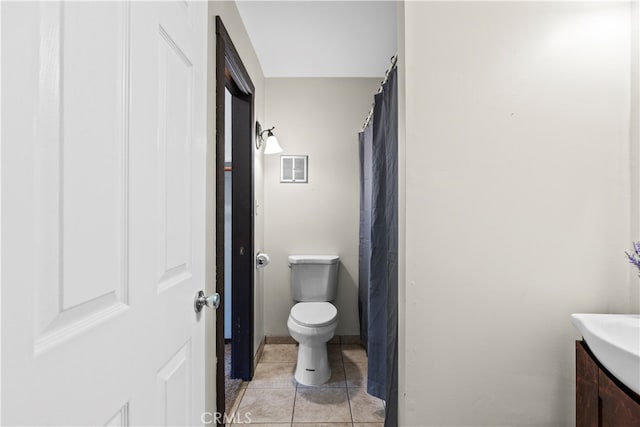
<point x="312" y="325"/>
<point x="313" y="320"/>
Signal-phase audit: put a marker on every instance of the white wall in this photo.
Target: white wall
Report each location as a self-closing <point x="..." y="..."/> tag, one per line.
<point x="402" y="201"/>
<point x="635" y="147"/>
<point x="319" y="118"/>
<point x="516" y="160"/>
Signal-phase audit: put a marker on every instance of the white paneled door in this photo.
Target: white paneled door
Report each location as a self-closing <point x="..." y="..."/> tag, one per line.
<point x="103" y="213"/>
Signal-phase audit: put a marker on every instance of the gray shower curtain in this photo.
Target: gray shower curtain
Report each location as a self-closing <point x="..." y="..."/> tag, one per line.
<point x="378" y="252"/>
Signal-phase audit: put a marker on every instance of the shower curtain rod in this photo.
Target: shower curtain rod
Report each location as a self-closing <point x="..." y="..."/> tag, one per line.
<point x="394" y="60"/>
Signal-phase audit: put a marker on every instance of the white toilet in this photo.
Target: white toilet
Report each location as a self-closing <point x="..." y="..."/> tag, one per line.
<point x="313" y="320"/>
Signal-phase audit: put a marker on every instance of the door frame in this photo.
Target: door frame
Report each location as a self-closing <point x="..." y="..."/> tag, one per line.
<point x="231" y="73"/>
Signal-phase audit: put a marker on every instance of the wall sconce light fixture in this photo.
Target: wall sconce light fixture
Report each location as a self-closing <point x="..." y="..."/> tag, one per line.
<point x="271" y="144"/>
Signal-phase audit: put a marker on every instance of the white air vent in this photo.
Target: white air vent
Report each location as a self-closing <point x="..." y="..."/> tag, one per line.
<point x="293" y="168"/>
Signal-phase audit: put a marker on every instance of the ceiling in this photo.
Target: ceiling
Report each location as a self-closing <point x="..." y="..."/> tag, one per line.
<point x="321" y="38"/>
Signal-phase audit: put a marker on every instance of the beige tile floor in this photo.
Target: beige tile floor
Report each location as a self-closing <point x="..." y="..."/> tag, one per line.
<point x="274" y="399"/>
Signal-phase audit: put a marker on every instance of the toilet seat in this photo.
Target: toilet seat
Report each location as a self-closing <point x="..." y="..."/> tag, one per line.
<point x="313" y="314"/>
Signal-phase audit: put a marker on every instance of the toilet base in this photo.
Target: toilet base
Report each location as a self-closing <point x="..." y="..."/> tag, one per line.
<point x="313" y="365"/>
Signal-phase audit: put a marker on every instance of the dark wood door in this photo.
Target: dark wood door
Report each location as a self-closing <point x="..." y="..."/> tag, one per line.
<point x="232" y="75"/>
<point x="242" y="255"/>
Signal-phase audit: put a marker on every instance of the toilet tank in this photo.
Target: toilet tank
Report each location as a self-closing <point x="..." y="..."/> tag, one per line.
<point x="314" y="278"/>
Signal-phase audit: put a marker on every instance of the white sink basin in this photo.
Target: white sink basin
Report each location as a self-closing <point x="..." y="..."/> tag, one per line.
<point x="615" y="340"/>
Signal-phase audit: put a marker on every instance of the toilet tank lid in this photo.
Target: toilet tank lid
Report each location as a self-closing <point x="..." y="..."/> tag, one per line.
<point x="313" y="259"/>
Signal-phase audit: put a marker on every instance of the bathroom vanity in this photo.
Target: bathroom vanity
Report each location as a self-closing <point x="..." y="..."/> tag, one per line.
<point x="602" y="400"/>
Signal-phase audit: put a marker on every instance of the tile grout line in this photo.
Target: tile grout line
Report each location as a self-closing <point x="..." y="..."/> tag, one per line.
<point x="346" y="385"/>
<point x="235" y="408"/>
<point x="295" y="396"/>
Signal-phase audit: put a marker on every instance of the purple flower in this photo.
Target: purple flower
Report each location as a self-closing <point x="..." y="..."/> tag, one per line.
<point x="635" y="257"/>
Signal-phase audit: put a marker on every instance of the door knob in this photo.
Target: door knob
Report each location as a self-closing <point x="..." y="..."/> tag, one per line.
<point x="210" y="301"/>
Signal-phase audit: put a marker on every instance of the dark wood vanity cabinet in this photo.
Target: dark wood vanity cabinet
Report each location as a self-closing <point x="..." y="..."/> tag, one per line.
<point x="602" y="400"/>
